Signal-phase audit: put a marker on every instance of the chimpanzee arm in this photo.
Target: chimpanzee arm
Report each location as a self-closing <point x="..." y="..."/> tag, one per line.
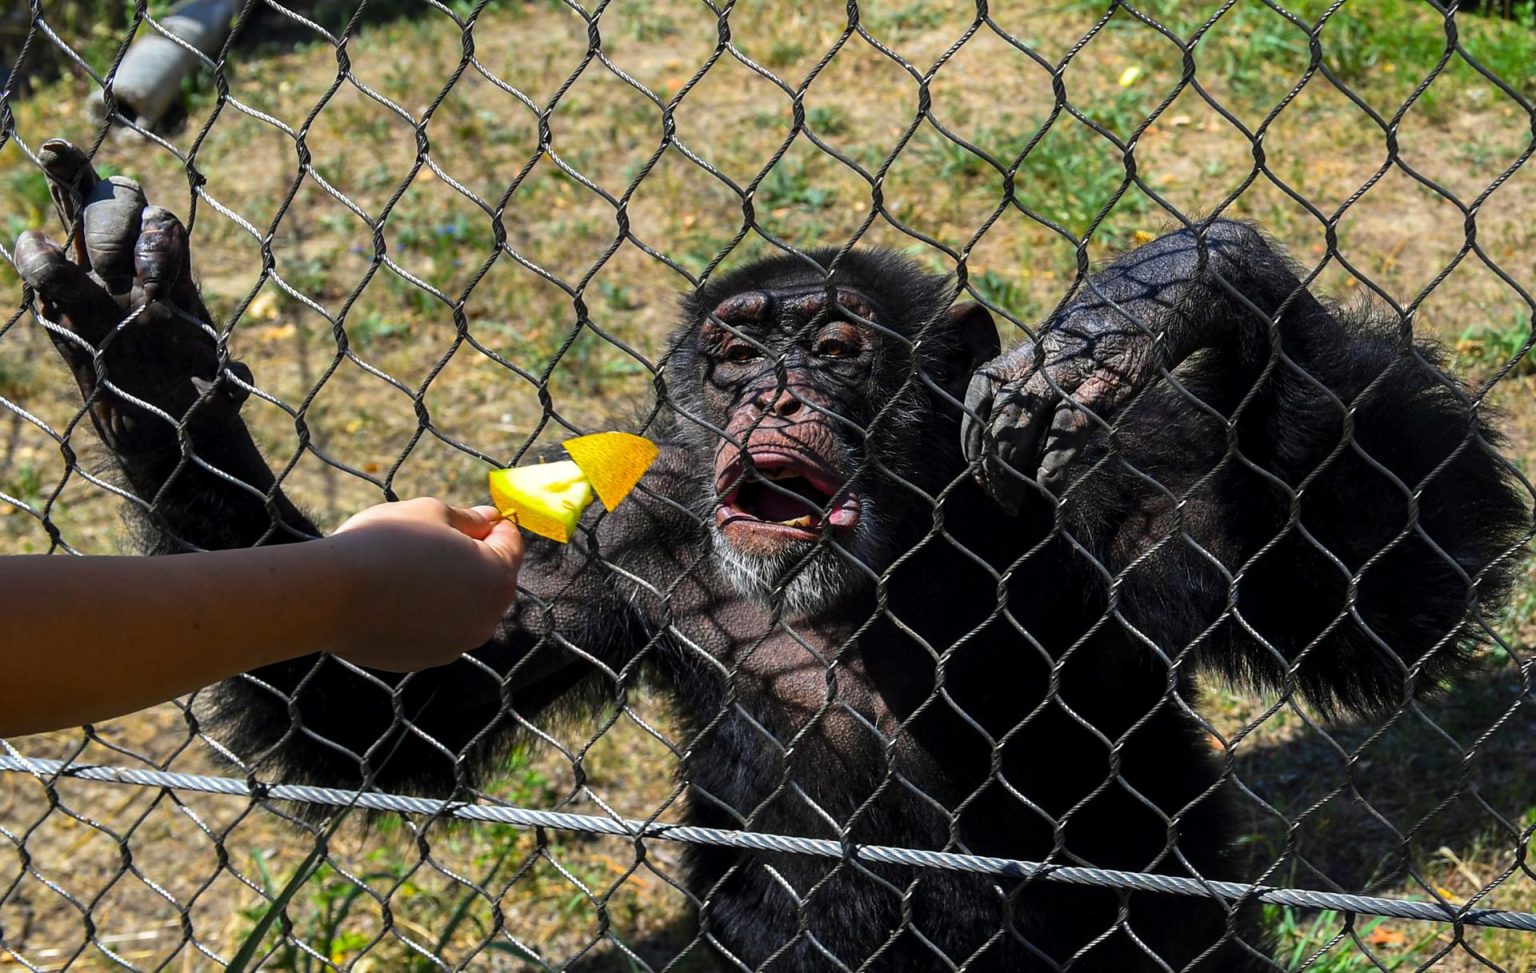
<point x="1216" y="287"/>
<point x="124" y="312"/>
<point x="1311" y="503"/>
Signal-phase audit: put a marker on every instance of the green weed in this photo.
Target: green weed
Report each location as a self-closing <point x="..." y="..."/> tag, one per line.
<point x="792" y="183"/>
<point x="374" y="328"/>
<point x="913" y="17"/>
<point x="1321" y="943"/>
<point x="1488" y="349"/>
<point x="644" y="22"/>
<point x="341" y="917"/>
<point x="826" y="120"/>
<point x="25" y="483"/>
<point x="949" y="160"/>
<point x="20" y="376"/>
<point x="1073" y="178"/>
<point x="784" y="53"/>
<point x="27" y="187"/>
<point x="1007" y="293"/>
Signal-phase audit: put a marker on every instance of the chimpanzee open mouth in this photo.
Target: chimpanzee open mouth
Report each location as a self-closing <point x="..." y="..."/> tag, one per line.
<point x="784" y="495"/>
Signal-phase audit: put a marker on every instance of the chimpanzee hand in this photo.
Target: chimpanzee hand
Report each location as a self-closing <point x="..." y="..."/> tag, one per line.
<point x="1030" y="411"/>
<point x="123" y="311"/>
<point x="1219" y="285"/>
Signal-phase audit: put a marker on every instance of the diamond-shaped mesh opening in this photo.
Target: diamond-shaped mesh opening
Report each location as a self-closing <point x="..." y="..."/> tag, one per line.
<point x="1186" y="629"/>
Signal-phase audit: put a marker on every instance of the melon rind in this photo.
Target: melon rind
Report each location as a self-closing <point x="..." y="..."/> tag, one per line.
<point x="613" y="461"/>
<point x="548" y="499"/>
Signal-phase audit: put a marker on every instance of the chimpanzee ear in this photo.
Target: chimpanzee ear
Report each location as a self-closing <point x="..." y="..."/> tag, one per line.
<point x="976" y="343"/>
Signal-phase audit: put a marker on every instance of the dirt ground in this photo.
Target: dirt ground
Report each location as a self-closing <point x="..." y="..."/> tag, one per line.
<point x="348" y="207"/>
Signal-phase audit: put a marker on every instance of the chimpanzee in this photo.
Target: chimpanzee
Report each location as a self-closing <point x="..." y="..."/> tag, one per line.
<point x="900" y="587"/>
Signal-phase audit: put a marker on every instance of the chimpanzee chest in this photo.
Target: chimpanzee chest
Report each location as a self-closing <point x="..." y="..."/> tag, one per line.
<point x="791" y="727"/>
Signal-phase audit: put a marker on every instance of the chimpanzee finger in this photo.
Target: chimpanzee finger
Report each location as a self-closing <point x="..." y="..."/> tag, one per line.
<point x="1072" y="428"/>
<point x="231" y="387"/>
<point x="986" y="413"/>
<point x="71" y="180"/>
<point x="161" y="261"/>
<point x="978" y="409"/>
<point x="67" y="289"/>
<point x="112" y="220"/>
<point x="1010" y="468"/>
<point x="1021" y="414"/>
<point x="1099" y="391"/>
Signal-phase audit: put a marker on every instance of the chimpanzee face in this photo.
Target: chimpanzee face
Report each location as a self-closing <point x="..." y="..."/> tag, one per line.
<point x="793" y="377"/>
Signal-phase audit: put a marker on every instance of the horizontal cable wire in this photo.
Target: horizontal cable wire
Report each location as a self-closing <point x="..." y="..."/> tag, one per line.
<point x="789" y="844"/>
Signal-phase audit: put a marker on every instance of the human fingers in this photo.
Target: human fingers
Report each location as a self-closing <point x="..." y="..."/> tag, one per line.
<point x="506" y="542"/>
<point x="486" y="525"/>
<point x="474" y="522"/>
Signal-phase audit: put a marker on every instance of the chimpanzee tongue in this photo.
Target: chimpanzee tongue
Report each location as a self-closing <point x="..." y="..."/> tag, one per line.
<point x="777" y="506"/>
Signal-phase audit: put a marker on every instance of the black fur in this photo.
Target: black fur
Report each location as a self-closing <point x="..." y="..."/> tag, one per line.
<point x="1336" y="552"/>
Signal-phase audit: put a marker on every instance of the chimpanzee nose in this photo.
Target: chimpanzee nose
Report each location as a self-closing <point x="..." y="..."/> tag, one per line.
<point x="777" y="401"/>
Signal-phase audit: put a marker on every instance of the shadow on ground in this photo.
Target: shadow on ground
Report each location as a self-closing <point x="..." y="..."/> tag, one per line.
<point x="1445" y="782"/>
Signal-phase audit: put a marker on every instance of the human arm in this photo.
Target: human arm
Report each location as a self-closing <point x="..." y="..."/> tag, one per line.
<point x="398" y="587"/>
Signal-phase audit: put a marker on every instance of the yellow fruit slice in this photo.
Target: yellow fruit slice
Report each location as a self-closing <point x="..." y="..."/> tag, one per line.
<point x="546" y="498"/>
<point x="613" y="461"/>
<point x="549" y="498"/>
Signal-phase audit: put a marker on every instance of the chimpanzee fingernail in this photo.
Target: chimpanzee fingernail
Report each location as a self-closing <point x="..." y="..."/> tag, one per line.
<point x="1053" y="471"/>
<point x="159" y="251"/>
<point x="66" y="165"/>
<point x="35" y="256"/>
<point x="70" y="177"/>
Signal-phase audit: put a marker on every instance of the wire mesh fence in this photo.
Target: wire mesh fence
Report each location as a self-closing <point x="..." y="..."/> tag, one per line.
<point x="1187" y="629"/>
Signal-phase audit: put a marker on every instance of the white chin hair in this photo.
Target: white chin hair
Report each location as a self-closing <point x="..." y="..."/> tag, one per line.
<point x="817" y="582"/>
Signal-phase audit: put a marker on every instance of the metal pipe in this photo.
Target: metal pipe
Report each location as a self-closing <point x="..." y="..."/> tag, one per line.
<point x="148" y="81"/>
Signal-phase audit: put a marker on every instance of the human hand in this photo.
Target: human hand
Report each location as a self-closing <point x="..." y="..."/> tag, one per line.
<point x="426" y="582"/>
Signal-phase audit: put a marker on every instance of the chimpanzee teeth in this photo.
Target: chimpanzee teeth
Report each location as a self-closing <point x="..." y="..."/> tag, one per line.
<point x="804" y="521"/>
<point x="777" y="473"/>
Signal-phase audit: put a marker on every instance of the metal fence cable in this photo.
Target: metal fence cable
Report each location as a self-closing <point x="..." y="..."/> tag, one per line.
<point x="1365" y="905"/>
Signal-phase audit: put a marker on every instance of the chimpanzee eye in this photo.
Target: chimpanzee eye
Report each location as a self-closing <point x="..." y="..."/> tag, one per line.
<point x="740" y="352"/>
<point x="833" y="348"/>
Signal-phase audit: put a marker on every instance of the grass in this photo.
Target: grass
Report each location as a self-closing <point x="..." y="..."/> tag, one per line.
<point x="1494" y="350"/>
<point x="1054" y="184"/>
<point x="1328" y="942"/>
<point x="341" y="916"/>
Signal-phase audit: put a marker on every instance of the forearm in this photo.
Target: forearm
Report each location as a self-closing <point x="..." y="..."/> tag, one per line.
<point x="153" y="628"/>
<point x="1192" y="291"/>
<point x="194" y="509"/>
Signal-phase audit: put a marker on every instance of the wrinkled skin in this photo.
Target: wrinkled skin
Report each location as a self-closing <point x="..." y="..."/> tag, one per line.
<point x="857" y="640"/>
<point x="779" y="412"/>
<point x="1031" y="411"/>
